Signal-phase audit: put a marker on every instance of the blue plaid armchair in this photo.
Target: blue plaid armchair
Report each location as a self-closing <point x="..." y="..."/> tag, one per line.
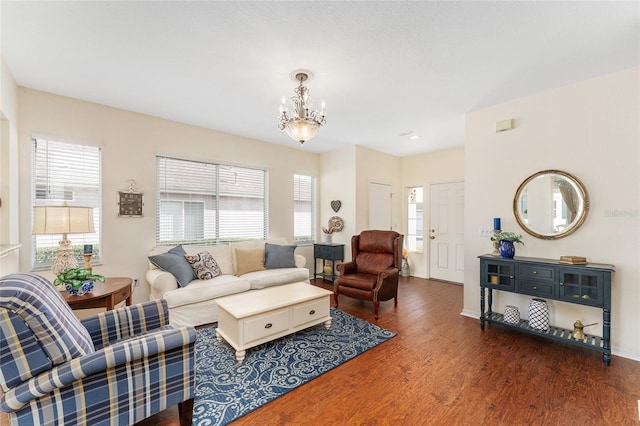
<point x="115" y="368"/>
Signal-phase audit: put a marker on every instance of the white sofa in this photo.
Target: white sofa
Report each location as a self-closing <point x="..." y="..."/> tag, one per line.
<point x="195" y="303"/>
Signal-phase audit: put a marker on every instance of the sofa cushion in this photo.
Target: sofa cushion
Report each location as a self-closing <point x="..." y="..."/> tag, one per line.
<point x="249" y="260"/>
<point x="272" y="277"/>
<point x="201" y="290"/>
<point x="221" y="253"/>
<point x="277" y="256"/>
<point x="204" y="265"/>
<point x="174" y="261"/>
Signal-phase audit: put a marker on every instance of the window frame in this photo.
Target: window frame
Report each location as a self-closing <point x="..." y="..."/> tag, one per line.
<point x="65" y="172"/>
<point x="312" y="209"/>
<point x="216" y="182"/>
<point x="414" y="239"/>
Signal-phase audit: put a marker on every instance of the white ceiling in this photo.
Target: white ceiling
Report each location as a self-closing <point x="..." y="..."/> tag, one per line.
<point x="383" y="68"/>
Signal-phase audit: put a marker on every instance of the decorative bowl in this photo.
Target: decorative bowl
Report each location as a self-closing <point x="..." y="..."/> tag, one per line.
<point x="86" y="287"/>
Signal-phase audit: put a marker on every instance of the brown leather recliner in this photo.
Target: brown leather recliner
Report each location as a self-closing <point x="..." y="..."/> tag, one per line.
<point x="373" y="271"/>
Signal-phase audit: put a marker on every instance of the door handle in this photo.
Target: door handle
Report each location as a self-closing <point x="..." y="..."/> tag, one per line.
<point x="433" y="237"/>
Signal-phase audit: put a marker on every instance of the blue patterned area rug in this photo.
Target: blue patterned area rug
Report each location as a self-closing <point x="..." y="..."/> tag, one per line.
<point x="226" y="389"/>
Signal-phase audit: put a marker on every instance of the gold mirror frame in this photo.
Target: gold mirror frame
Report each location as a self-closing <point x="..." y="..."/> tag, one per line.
<point x="572" y="226"/>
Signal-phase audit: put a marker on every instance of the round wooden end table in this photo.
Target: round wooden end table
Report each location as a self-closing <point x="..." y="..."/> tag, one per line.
<point x="104" y="295"/>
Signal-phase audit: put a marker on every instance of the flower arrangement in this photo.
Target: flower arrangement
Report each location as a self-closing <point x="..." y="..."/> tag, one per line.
<point x="74" y="277"/>
<point x="507" y="236"/>
<point x="405" y="253"/>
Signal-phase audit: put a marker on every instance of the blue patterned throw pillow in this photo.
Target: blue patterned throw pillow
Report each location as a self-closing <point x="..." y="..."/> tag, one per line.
<point x="204" y="265"/>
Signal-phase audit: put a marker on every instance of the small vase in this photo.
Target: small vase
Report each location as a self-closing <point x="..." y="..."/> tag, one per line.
<point x="328" y="267"/>
<point x="507" y="249"/>
<point x="86" y="287"/>
<point x="539" y="314"/>
<point x="328" y="238"/>
<point x="404" y="269"/>
<point x="511" y="314"/>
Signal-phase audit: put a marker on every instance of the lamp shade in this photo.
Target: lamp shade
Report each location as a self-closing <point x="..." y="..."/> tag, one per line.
<point x="301" y="129"/>
<point x="62" y="220"/>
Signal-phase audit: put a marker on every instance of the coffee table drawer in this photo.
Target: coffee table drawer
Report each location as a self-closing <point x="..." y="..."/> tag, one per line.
<point x="265" y="325"/>
<point x="310" y="311"/>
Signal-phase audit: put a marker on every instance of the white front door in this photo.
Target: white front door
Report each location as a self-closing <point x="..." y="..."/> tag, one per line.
<point x="446" y="232"/>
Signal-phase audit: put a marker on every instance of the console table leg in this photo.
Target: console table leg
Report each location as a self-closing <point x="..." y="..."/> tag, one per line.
<point x="606" y="336"/>
<point x="481" y="308"/>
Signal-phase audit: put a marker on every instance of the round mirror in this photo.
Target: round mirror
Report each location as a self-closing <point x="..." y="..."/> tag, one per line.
<point x="551" y="204"/>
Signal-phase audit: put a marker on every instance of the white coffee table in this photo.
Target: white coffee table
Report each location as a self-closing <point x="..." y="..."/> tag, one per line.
<point x="251" y="318"/>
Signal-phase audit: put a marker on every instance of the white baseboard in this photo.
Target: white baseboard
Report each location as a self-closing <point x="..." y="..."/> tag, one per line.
<point x="470" y="314"/>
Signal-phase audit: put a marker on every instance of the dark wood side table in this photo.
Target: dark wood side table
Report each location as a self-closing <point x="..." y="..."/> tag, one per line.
<point x="104" y="295"/>
<point x="326" y="252"/>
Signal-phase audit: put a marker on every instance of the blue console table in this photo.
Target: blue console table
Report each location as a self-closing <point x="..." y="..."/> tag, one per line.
<point x="588" y="284"/>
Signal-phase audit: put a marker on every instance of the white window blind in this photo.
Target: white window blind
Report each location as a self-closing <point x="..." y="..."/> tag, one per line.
<point x="303" y="208"/>
<point x="414" y="241"/>
<point x="65" y="173"/>
<point x="206" y="203"/>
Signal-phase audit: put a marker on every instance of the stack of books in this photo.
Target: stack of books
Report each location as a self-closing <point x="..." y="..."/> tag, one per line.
<point x="573" y="260"/>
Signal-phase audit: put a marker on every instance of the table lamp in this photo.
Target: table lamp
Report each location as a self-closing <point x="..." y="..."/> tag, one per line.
<point x="63" y="220"/>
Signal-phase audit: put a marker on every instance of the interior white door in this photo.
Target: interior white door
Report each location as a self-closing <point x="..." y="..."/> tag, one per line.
<point x="379" y="206"/>
<point x="446" y="233"/>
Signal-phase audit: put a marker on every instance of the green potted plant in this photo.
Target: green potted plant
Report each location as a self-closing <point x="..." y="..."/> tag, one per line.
<point x="507" y="240"/>
<point x="77" y="280"/>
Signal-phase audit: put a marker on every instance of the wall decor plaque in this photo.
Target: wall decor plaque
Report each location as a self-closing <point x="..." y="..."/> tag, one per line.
<point x="130" y="204"/>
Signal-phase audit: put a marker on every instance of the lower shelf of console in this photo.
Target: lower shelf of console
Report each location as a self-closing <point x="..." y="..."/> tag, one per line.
<point x="556" y="333"/>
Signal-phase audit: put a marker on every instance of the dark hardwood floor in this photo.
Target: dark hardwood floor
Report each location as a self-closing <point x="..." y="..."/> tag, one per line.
<point x="441" y="369"/>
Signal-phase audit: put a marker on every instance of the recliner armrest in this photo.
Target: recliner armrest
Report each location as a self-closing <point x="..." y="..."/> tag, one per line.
<point x="347" y="268"/>
<point x="382" y="275"/>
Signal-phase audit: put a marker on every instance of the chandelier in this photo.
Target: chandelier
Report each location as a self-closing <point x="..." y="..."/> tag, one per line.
<point x="303" y="124"/>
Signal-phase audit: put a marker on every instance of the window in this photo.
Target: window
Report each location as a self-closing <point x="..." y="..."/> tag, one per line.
<point x="414" y="219"/>
<point x="303" y="208"/>
<point x="185" y="220"/>
<point x="208" y="203"/>
<point x="65" y="173"/>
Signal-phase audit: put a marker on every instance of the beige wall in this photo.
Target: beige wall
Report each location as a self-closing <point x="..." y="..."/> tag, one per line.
<point x="337" y="177"/>
<point x="591" y="130"/>
<point x="345" y="176"/>
<point x="9" y="211"/>
<point x="377" y="167"/>
<point x="425" y="170"/>
<point x="129" y="144"/>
